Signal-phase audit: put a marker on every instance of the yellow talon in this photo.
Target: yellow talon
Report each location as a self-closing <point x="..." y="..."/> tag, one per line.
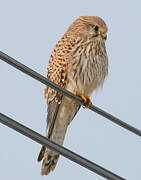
<point x="86" y="99"/>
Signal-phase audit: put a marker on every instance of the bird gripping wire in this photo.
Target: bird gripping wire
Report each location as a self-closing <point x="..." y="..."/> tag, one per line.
<point x="45" y="81"/>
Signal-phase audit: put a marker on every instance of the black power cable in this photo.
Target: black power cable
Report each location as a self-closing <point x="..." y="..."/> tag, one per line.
<point x="61" y="150"/>
<point x="45" y="81"/>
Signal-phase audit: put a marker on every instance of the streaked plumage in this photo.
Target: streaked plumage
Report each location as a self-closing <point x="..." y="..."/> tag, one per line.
<point x="78" y="63"/>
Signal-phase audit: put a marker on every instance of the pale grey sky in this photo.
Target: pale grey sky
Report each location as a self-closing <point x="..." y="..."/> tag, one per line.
<point x="29" y="30"/>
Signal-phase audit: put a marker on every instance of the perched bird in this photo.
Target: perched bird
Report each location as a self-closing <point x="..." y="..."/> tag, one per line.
<point x="79" y="64"/>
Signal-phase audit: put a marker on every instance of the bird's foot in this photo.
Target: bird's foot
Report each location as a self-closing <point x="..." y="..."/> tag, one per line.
<point x="86" y="99"/>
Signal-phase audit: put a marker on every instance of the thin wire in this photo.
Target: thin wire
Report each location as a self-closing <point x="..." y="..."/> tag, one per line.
<point x="61" y="150"/>
<point x="45" y="81"/>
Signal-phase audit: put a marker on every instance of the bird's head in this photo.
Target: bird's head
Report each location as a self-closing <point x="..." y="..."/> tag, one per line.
<point x="89" y="26"/>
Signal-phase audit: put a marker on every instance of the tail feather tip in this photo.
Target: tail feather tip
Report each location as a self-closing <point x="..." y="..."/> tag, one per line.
<point x="49" y="164"/>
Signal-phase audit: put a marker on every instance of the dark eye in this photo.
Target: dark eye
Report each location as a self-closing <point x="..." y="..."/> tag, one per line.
<point x="96" y="28"/>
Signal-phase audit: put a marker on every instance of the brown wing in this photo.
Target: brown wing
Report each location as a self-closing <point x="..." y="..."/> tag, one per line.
<point x="57" y="70"/>
<point x="57" y="73"/>
<point x="53" y="108"/>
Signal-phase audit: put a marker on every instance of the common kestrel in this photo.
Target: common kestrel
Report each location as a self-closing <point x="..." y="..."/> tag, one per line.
<point x="79" y="64"/>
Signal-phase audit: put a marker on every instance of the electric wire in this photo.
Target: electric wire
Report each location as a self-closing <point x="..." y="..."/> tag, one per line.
<point x="45" y="81"/>
<point x="61" y="150"/>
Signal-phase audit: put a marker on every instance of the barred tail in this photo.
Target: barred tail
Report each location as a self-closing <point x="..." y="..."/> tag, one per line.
<point x="58" y="119"/>
<point x="49" y="162"/>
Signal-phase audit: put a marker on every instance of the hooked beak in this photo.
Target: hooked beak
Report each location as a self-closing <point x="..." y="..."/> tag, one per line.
<point x="104" y="35"/>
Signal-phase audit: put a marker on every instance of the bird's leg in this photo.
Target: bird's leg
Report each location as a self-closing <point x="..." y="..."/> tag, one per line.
<point x="86" y="99"/>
